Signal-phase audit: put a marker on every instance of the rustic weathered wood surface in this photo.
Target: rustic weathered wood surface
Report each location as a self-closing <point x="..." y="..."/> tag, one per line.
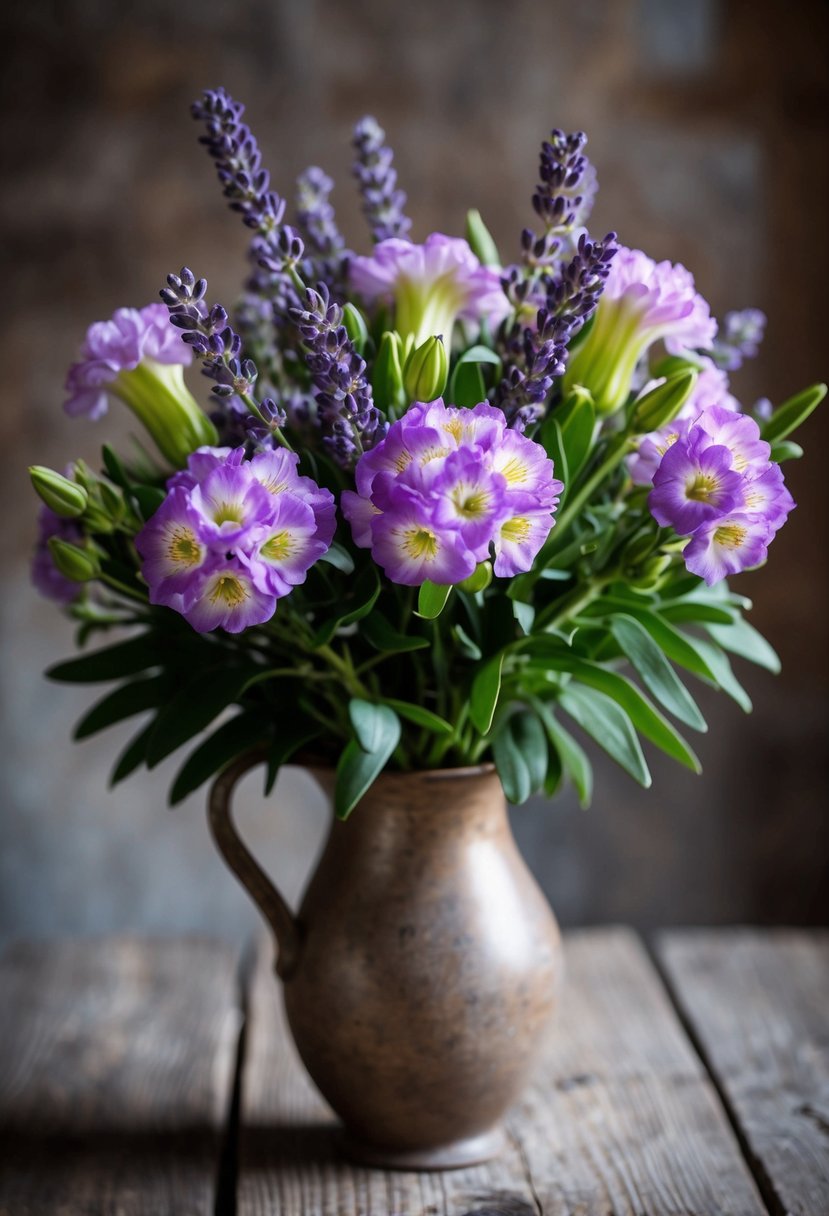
<point x="621" y="1118"/>
<point x="117" y="1060"/>
<point x="117" y="1067"/>
<point x="757" y="1003"/>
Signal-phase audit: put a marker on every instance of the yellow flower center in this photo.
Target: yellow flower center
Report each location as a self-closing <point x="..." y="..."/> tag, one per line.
<point x="183" y="548"/>
<point x="420" y="543"/>
<point x="516" y="529"/>
<point x="228" y="512"/>
<point x="702" y="487"/>
<point x="279" y="546"/>
<point x="470" y="503"/>
<point x="730" y="536"/>
<point x="230" y="590"/>
<point x="515" y="471"/>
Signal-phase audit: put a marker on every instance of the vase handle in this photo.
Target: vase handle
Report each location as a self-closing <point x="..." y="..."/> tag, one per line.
<point x="241" y="861"/>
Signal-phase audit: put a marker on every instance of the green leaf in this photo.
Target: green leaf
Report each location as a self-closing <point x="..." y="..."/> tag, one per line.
<point x="384" y="637"/>
<point x="573" y="756"/>
<point x="363" y="599"/>
<point x="111" y="663"/>
<point x="678" y="646"/>
<point x="645" y="717"/>
<point x="483" y="696"/>
<point x="194" y="707"/>
<point x="724" y="677"/>
<point x="792" y="413"/>
<point x="114" y="467"/>
<point x="467" y="387"/>
<point x="743" y="639"/>
<point x="373" y="724"/>
<point x="694" y="610"/>
<point x="133" y="755"/>
<point x="232" y="738"/>
<point x="655" y="671"/>
<point x="785" y="449"/>
<point x="431" y="600"/>
<point x="573" y="436"/>
<point x="289" y="739"/>
<point x="524" y="615"/>
<point x="124" y="702"/>
<point x="358" y="769"/>
<point x="420" y="716"/>
<point x="608" y="724"/>
<point x="339" y="557"/>
<point x="470" y="649"/>
<point x="511" y="766"/>
<point x="149" y="499"/>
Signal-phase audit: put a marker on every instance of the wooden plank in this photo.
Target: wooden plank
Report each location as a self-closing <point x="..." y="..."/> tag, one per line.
<point x="117" y="1061"/>
<point x="758" y="1005"/>
<point x="621" y="1118"/>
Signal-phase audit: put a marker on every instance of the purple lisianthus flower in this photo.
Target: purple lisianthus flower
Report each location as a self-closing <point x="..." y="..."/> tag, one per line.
<point x="430" y="285"/>
<point x="694" y="483"/>
<point x="727" y="545"/>
<point x="653" y="447"/>
<point x="409" y="544"/>
<point x="45" y="575"/>
<point x="225" y="597"/>
<point x="765" y="494"/>
<point x="643" y="302"/>
<point x="445" y="489"/>
<point x="119" y="345"/>
<point x="739" y="433"/>
<point x="139" y="357"/>
<point x="711" y="388"/>
<point x="233" y="536"/>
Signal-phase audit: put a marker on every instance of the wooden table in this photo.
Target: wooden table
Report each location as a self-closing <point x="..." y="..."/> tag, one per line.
<point x="149" y="1077"/>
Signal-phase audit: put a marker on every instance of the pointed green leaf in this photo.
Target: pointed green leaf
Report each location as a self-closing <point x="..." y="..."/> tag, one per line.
<point x="194" y="707"/>
<point x="111" y="663"/>
<point x="792" y="413"/>
<point x="743" y="639"/>
<point x="655" y="671"/>
<point x="608" y="724"/>
<point x="290" y="737"/>
<point x="573" y="756"/>
<point x="358" y="769"/>
<point x="231" y="739"/>
<point x="339" y="557"/>
<point x="373" y="724"/>
<point x="124" y="702"/>
<point x="483" y="696"/>
<point x="431" y="600"/>
<point x="420" y="716"/>
<point x="720" y="667"/>
<point x="359" y="605"/>
<point x="132" y="757"/>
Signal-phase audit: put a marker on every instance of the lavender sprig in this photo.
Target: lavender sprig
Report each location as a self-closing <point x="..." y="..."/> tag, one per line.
<point x="537" y="356"/>
<point x="338" y="374"/>
<point x="563" y="198"/>
<point x="383" y="202"/>
<point x="277" y="247"/>
<point x="207" y="330"/>
<point x="317" y="220"/>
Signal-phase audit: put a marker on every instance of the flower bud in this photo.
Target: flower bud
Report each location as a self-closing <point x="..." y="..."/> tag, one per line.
<point x="78" y="565"/>
<point x="480" y="240"/>
<point x="652" y="572"/>
<point x="157" y="395"/>
<point x="662" y="404"/>
<point x="355" y="327"/>
<point x="64" y="497"/>
<point x="426" y="371"/>
<point x="479" y="579"/>
<point x="387" y="376"/>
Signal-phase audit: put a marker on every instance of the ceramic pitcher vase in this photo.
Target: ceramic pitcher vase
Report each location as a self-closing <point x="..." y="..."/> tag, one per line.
<point x="422" y="967"/>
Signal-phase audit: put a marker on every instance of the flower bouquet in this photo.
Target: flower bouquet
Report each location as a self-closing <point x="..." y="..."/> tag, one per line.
<point x="438" y="512"/>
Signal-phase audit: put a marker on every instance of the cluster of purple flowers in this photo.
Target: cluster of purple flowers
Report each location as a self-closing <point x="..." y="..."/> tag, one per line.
<point x="448" y="487"/>
<point x="715" y="483"/>
<point x="233" y="536"/>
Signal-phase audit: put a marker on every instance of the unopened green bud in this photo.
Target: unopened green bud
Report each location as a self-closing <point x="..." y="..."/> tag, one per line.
<point x="61" y="495"/>
<point x="652" y="572"/>
<point x="640" y="546"/>
<point x="387" y="376"/>
<point x="157" y="395"/>
<point x="78" y="565"/>
<point x="480" y="240"/>
<point x="112" y="500"/>
<point x="479" y="579"/>
<point x="426" y="371"/>
<point x="355" y="327"/>
<point x="662" y="404"/>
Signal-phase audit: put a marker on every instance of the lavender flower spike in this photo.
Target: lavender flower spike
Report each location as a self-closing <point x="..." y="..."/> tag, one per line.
<point x="563" y="199"/>
<point x="383" y="202"/>
<point x="738" y="338"/>
<point x="276" y="246"/>
<point x="207" y="331"/>
<point x="316" y="214"/>
<point x="338" y="374"/>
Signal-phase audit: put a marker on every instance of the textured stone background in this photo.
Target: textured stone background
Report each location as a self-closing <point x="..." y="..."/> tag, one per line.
<point x="707" y="123"/>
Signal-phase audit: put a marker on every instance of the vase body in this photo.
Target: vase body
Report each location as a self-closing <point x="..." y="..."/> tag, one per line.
<point x="427" y="969"/>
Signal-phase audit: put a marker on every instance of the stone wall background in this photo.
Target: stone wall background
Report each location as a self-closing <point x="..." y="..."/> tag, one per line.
<point x="707" y="122"/>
